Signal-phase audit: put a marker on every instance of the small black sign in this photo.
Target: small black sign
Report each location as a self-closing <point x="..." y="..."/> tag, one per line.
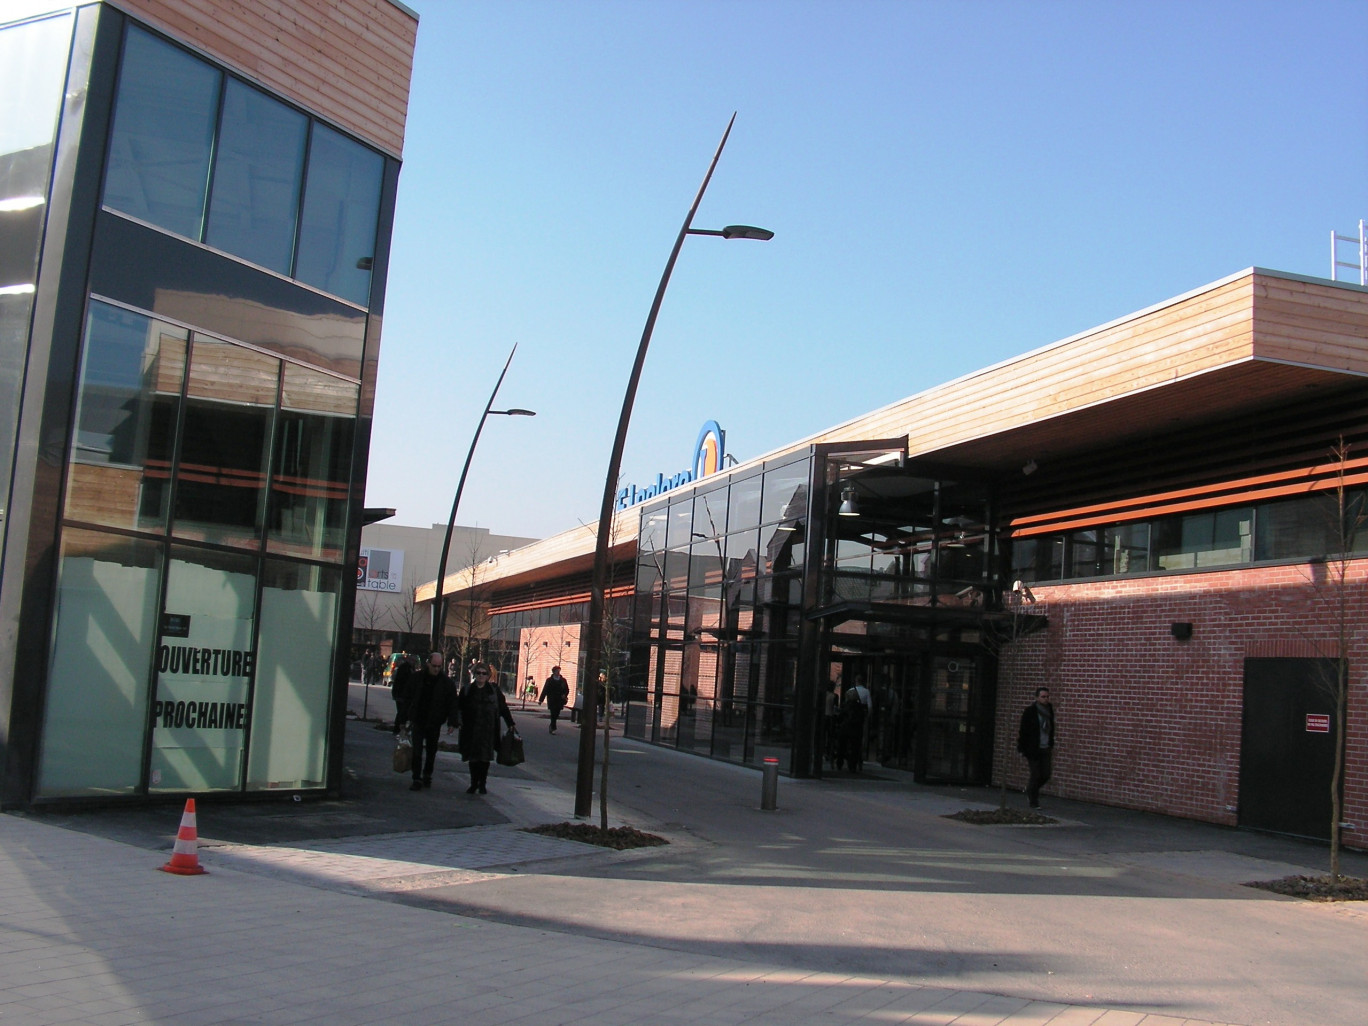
<point x="175" y="625"/>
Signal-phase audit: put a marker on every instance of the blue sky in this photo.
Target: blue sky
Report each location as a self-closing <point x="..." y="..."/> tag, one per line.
<point x="950" y="185"/>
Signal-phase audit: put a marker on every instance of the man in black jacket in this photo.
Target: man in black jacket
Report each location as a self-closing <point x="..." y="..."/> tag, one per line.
<point x="432" y="703"/>
<point x="1036" y="740"/>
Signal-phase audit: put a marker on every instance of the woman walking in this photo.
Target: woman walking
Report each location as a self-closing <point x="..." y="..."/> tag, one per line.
<point x="482" y="706"/>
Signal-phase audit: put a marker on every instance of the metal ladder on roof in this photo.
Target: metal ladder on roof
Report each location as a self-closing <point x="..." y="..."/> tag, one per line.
<point x="1336" y="263"/>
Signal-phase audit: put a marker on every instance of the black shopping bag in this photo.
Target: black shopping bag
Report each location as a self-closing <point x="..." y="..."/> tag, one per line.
<point x="510" y="749"/>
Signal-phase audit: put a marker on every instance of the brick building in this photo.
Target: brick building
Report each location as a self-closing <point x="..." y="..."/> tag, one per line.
<point x="1146" y="517"/>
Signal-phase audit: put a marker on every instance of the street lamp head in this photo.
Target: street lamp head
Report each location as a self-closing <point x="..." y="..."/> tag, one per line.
<point x="515" y="412"/>
<point x="745" y="231"/>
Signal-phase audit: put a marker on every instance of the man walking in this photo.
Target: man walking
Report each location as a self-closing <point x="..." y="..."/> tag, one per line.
<point x="1036" y="740"/>
<point x="555" y="693"/>
<point x="432" y="703"/>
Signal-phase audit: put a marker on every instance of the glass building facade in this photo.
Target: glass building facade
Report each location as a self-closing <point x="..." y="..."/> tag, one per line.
<point x="759" y="593"/>
<point x="187" y="332"/>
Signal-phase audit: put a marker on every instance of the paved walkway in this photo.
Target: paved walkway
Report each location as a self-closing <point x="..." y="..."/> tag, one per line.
<point x="91" y="933"/>
<point x="489" y="924"/>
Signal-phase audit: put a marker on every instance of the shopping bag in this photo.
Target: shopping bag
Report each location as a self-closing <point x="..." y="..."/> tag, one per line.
<point x="403" y="754"/>
<point x="510" y="749"/>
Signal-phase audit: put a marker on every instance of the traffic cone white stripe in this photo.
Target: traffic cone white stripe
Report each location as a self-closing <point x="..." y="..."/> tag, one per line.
<point x="185" y="852"/>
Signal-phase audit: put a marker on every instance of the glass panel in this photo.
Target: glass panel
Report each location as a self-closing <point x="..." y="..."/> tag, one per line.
<point x="710" y="513"/>
<point x="652" y="531"/>
<point x="783" y="546"/>
<point x="221" y="476"/>
<point x="743" y="503"/>
<point x="33" y="63"/>
<point x="1085" y="554"/>
<point x="311" y="473"/>
<point x="1127" y="549"/>
<point x="131" y="375"/>
<point x="204" y="664"/>
<point x="293" y="675"/>
<point x="1037" y="559"/>
<point x="786" y="495"/>
<point x="680" y="530"/>
<point x="96" y="711"/>
<point x="1220" y="538"/>
<point x="742" y="556"/>
<point x="341" y="211"/>
<point x="163" y="134"/>
<point x="257" y="168"/>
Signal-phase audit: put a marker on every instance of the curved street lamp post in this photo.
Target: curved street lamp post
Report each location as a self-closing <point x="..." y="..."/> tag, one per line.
<point x="438" y="600"/>
<point x="593" y="648"/>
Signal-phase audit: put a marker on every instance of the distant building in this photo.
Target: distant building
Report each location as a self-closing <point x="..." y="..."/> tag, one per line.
<point x="196" y="202"/>
<point x="394" y="561"/>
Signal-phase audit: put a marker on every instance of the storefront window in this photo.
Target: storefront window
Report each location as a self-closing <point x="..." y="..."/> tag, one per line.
<point x="221" y="477"/>
<point x="257" y="169"/>
<point x="341" y="210"/>
<point x="132" y="370"/>
<point x="204" y="667"/>
<point x="96" y="719"/>
<point x="163" y="135"/>
<point x="293" y="675"/>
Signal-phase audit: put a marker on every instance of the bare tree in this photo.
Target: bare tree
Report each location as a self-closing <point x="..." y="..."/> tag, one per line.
<point x="468" y="621"/>
<point x="1347" y="517"/>
<point x="370" y="615"/>
<point x="406" y="616"/>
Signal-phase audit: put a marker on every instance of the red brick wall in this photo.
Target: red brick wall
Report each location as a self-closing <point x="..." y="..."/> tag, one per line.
<point x="1148" y="722"/>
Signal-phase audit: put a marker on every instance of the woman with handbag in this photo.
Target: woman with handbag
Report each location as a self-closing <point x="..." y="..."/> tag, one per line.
<point x="482" y="707"/>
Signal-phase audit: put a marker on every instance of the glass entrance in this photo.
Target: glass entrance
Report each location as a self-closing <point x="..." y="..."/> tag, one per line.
<point x="892" y="680"/>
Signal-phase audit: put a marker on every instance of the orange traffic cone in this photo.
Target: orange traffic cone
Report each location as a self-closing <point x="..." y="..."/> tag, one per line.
<point x="185" y="856"/>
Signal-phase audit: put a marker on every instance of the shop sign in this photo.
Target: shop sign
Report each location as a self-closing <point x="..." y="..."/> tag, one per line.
<point x="380" y="570"/>
<point x="1318" y="723"/>
<point x="707" y="459"/>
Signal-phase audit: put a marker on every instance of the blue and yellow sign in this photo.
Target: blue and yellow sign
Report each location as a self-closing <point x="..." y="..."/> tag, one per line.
<point x="708" y="457"/>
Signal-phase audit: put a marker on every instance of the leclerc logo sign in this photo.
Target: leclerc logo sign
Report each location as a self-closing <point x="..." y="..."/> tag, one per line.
<point x="707" y="459"/>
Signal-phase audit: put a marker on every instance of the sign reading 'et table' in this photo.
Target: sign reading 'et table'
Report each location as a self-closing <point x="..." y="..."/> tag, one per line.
<point x="1318" y="723"/>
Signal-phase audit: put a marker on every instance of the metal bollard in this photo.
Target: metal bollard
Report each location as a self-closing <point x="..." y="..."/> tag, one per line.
<point x="769" y="786"/>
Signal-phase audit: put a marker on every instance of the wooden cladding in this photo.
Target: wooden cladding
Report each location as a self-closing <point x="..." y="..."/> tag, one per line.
<point x="349" y="61"/>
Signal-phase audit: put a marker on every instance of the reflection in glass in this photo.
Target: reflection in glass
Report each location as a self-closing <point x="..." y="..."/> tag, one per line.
<point x="293" y="675"/>
<point x="257" y="168"/>
<point x="95" y="716"/>
<point x="163" y="133"/>
<point x="710" y="513"/>
<point x="743" y="503"/>
<point x="679" y="533"/>
<point x="651" y="534"/>
<point x="786" y="491"/>
<point x="33" y="63"/>
<point x="204" y="669"/>
<point x="131" y="374"/>
<point x="221" y="475"/>
<point x="341" y="212"/>
<point x="312" y="470"/>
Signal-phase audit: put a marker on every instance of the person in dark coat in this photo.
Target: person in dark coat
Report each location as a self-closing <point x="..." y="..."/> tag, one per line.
<point x="401" y="690"/>
<point x="555" y="693"/>
<point x="1036" y="740"/>
<point x="432" y="702"/>
<point x="482" y="706"/>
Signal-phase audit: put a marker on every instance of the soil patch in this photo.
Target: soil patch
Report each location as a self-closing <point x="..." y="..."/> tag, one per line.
<point x="1001" y="817"/>
<point x="1317" y="888"/>
<point x="619" y="838"/>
